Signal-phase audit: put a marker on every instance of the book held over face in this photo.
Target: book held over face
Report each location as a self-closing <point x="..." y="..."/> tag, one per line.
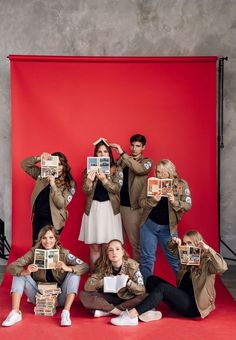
<point x="159" y="185"/>
<point x="49" y="166"/>
<point x="46" y="259"/>
<point x="112" y="284"/>
<point x="189" y="255"/>
<point x="96" y="163"/>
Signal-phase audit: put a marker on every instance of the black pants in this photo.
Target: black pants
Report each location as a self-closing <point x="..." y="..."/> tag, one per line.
<point x="178" y="300"/>
<point x="39" y="221"/>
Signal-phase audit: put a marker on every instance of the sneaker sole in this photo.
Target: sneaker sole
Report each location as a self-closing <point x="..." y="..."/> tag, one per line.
<point x="151" y="315"/>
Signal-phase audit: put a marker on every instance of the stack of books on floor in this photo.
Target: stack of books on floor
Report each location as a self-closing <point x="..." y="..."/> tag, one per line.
<point x="46" y="299"/>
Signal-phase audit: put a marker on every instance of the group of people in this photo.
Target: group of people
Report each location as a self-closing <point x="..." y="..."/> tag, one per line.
<point x="116" y="203"/>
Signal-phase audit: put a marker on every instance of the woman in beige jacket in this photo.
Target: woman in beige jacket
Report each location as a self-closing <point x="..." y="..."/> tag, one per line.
<point x="195" y="293"/>
<point x="113" y="265"/>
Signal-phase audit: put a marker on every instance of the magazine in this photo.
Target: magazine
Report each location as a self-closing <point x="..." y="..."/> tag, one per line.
<point x="161" y="185"/>
<point x="46" y="259"/>
<point x="95" y="163"/>
<point x="112" y="284"/>
<point x="101" y="139"/>
<point x="189" y="255"/>
<point x="49" y="166"/>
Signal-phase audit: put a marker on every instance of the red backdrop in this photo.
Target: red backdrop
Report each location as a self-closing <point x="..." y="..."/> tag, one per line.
<point x="65" y="103"/>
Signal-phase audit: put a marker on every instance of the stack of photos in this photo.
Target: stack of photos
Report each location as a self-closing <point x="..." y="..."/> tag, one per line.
<point x="155" y="185"/>
<point x="49" y="166"/>
<point x="46" y="299"/>
<point x="189" y="255"/>
<point x="46" y="259"/>
<point x="96" y="163"/>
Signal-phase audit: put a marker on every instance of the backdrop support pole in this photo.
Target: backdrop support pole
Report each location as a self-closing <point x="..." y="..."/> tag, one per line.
<point x="220" y="143"/>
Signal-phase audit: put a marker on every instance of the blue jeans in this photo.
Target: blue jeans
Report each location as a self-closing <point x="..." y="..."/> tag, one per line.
<point x="150" y="234"/>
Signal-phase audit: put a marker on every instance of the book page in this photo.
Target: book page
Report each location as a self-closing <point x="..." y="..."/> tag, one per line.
<point x="49" y="166"/>
<point x="153" y="186"/>
<point x="189" y="255"/>
<point x="92" y="164"/>
<point x="52" y="258"/>
<point x="166" y="186"/>
<point x="112" y="284"/>
<point x="40" y="258"/>
<point x="104" y="164"/>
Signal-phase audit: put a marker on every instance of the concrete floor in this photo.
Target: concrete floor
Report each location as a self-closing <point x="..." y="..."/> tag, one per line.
<point x="229" y="279"/>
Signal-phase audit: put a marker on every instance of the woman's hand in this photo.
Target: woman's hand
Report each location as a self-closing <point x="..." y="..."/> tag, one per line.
<point x="204" y="246"/>
<point x="101" y="176"/>
<point x="51" y="180"/>
<point x="171" y="197"/>
<point x="157" y="196"/>
<point x="177" y="241"/>
<point x="60" y="265"/>
<point x="91" y="176"/>
<point x="32" y="268"/>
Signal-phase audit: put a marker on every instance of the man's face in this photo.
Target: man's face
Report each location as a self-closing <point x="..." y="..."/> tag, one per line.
<point x="136" y="149"/>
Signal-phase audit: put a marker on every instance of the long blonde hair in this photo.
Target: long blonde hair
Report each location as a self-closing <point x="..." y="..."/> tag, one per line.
<point x="103" y="265"/>
<point x="169" y="167"/>
<point x="194" y="235"/>
<point x="43" y="231"/>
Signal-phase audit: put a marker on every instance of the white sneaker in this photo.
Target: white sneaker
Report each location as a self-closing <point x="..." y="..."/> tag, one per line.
<point x="65" y="318"/>
<point x="150" y="315"/>
<point x="12" y="318"/>
<point x="98" y="313"/>
<point x="125" y="320"/>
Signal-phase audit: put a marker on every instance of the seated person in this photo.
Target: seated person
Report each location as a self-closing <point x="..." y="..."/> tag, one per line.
<point x="194" y="295"/>
<point x="26" y="275"/>
<point x="113" y="261"/>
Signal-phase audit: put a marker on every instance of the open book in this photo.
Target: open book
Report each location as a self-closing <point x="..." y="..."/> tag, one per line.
<point x="101" y="139"/>
<point x="49" y="166"/>
<point x="162" y="185"/>
<point x="46" y="259"/>
<point x="95" y="163"/>
<point x="189" y="255"/>
<point x="112" y="284"/>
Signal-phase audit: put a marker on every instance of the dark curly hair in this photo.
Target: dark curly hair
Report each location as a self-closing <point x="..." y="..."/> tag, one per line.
<point x="66" y="168"/>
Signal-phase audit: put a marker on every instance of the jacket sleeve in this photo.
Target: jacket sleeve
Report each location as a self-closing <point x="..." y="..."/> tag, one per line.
<point x="139" y="168"/>
<point x="93" y="283"/>
<point x="216" y="264"/>
<point x="145" y="201"/>
<point x="79" y="267"/>
<point x="16" y="267"/>
<point x="87" y="186"/>
<point x="135" y="282"/>
<point x="62" y="196"/>
<point x="29" y="166"/>
<point x="115" y="182"/>
<point x="183" y="201"/>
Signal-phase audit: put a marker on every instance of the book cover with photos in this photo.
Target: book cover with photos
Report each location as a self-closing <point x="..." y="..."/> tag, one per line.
<point x="162" y="185"/>
<point x="189" y="255"/>
<point x="95" y="163"/>
<point x="49" y="166"/>
<point x="112" y="284"/>
<point x="46" y="259"/>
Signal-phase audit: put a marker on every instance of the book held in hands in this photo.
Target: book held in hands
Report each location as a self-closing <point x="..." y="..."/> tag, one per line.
<point x="49" y="166"/>
<point x="159" y="185"/>
<point x="46" y="259"/>
<point x="96" y="163"/>
<point x="112" y="284"/>
<point x="189" y="255"/>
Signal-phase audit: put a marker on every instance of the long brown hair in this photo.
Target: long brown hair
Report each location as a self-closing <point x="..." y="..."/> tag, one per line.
<point x="103" y="265"/>
<point x="43" y="231"/>
<point x="66" y="168"/>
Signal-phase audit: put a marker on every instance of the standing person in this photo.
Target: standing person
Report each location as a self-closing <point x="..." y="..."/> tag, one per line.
<point x="51" y="195"/>
<point x="101" y="220"/>
<point x="26" y="275"/>
<point x="113" y="262"/>
<point x="161" y="216"/>
<point x="195" y="293"/>
<point x="135" y="169"/>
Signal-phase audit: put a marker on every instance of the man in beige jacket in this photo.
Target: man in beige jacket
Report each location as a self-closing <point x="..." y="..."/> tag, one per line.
<point x="135" y="170"/>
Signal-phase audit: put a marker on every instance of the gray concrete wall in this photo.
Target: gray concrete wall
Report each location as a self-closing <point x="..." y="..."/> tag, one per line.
<point x="122" y="28"/>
